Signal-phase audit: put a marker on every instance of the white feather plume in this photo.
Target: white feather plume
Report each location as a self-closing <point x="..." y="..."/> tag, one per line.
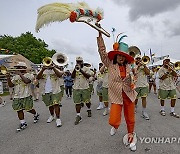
<point x="56" y="12"/>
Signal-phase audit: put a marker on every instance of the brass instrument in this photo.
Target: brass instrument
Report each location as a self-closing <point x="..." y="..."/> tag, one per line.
<point x="47" y="61"/>
<point x="177" y="65"/>
<point x="77" y="68"/>
<point x="60" y="59"/>
<point x="133" y="51"/>
<point x="145" y="60"/>
<point x="5" y="70"/>
<point x="157" y="68"/>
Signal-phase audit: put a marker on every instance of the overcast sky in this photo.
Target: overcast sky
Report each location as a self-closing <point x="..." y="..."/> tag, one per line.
<point x="148" y="24"/>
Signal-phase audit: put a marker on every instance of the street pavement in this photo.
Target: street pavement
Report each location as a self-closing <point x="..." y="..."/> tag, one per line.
<point x="91" y="136"/>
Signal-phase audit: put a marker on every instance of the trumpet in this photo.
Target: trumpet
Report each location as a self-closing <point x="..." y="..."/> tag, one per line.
<point x="145" y="60"/>
<point x="5" y="70"/>
<point x="157" y="68"/>
<point x="77" y="68"/>
<point x="47" y="61"/>
<point x="177" y="65"/>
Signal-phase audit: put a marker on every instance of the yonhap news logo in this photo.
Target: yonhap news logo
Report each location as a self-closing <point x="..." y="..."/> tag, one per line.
<point x="159" y="140"/>
<point x="151" y="140"/>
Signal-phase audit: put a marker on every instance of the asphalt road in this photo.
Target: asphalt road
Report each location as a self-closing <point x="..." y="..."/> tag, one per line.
<point x="91" y="136"/>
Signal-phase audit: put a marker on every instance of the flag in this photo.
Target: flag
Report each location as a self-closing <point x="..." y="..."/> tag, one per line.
<point x="113" y="30"/>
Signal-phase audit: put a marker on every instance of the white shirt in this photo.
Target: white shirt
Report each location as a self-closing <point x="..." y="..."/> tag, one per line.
<point x="141" y="78"/>
<point x="168" y="83"/>
<point x="54" y="82"/>
<point x="81" y="82"/>
<point x="48" y="85"/>
<point x="21" y="89"/>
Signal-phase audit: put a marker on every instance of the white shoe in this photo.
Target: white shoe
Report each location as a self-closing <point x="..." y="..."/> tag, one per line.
<point x="105" y="112"/>
<point x="101" y="106"/>
<point x="50" y="119"/>
<point x="58" y="123"/>
<point x="132" y="147"/>
<point x="113" y="131"/>
<point x="145" y="115"/>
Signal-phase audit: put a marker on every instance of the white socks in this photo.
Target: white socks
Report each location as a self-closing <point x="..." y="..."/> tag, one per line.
<point x="22" y="121"/>
<point x="172" y="109"/>
<point x="162" y="108"/>
<point x="78" y="114"/>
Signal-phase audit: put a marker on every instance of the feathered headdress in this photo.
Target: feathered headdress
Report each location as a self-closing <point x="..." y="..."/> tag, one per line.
<point x="120" y="48"/>
<point x="79" y="12"/>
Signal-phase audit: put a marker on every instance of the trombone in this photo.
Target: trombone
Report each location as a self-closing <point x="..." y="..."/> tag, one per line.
<point x="5" y="70"/>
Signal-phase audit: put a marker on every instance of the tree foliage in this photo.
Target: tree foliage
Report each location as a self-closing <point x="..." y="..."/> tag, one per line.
<point x="27" y="45"/>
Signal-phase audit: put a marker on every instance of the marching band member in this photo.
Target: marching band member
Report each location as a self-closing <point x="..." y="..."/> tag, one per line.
<point x="51" y="93"/>
<point x="104" y="71"/>
<point x="121" y="94"/>
<point x="99" y="77"/>
<point x="61" y="81"/>
<point x="142" y="84"/>
<point x="81" y="93"/>
<point x="167" y="89"/>
<point x="91" y="81"/>
<point x="22" y="94"/>
<point x="152" y="80"/>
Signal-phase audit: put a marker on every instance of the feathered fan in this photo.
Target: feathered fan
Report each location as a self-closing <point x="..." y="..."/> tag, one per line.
<point x="79" y="12"/>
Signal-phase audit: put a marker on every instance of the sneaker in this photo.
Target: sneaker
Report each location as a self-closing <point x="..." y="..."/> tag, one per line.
<point x="145" y="115"/>
<point x="21" y="127"/>
<point x="132" y="147"/>
<point x="105" y="112"/>
<point x="36" y="118"/>
<point x="162" y="112"/>
<point x="100" y="106"/>
<point x="113" y="131"/>
<point x="50" y="119"/>
<point x="130" y="141"/>
<point x="58" y="123"/>
<point x="89" y="113"/>
<point x="78" y="120"/>
<point x="174" y="115"/>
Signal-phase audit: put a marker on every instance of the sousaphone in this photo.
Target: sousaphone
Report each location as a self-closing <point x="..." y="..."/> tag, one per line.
<point x="133" y="51"/>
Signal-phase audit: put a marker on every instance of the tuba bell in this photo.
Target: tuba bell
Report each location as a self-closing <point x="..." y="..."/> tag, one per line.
<point x="47" y="61"/>
<point x="60" y="59"/>
<point x="133" y="51"/>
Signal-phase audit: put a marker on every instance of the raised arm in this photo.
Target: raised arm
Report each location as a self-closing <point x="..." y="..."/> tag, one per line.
<point x="102" y="50"/>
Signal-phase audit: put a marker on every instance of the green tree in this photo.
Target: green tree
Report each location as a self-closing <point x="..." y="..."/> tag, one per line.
<point x="27" y="45"/>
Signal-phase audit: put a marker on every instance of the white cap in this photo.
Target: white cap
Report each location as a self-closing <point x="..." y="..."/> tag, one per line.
<point x="79" y="58"/>
<point x="138" y="56"/>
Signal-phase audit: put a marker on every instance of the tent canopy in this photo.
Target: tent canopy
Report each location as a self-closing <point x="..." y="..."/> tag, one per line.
<point x="160" y="62"/>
